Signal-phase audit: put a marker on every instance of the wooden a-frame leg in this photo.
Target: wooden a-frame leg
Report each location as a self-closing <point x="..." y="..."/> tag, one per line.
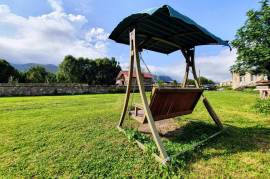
<point x="124" y="111"/>
<point x="189" y="55"/>
<point x="212" y="113"/>
<point x="148" y="114"/>
<point x="184" y="83"/>
<point x="192" y="63"/>
<point x="206" y="103"/>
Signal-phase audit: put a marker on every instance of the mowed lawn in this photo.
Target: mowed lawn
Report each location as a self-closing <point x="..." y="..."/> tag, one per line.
<point x="73" y="136"/>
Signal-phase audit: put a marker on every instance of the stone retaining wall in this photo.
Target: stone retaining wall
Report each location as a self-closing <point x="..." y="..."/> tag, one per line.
<point x="36" y="89"/>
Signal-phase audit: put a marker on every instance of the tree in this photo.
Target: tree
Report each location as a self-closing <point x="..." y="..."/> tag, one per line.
<point x="101" y="71"/>
<point x="202" y="80"/>
<point x="160" y="82"/>
<point x="80" y="70"/>
<point x="51" y="78"/>
<point x="68" y="70"/>
<point x="107" y="71"/>
<point x="205" y="81"/>
<point x="190" y="82"/>
<point x="7" y="72"/>
<point x="253" y="42"/>
<point x="88" y="71"/>
<point x="36" y="74"/>
<point x="174" y="83"/>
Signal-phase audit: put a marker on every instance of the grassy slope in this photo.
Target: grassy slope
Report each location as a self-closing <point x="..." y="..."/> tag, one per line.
<point x="76" y="135"/>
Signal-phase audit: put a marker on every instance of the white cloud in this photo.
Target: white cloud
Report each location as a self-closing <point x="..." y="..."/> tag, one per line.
<point x="49" y="37"/>
<point x="215" y="67"/>
<point x="96" y="34"/>
<point x="56" y="5"/>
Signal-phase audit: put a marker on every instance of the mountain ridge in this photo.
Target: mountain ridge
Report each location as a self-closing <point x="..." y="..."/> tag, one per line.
<point x="25" y="66"/>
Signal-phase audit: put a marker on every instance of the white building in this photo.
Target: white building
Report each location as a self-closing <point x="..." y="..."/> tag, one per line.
<point x="246" y="80"/>
<point x="225" y="83"/>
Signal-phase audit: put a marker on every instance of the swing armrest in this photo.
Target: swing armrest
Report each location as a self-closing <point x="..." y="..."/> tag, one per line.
<point x="137" y="107"/>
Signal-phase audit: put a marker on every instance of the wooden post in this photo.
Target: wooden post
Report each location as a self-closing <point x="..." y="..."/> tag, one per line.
<point x="192" y="63"/>
<point x="131" y="64"/>
<point x="212" y="113"/>
<point x="189" y="56"/>
<point x="184" y="83"/>
<point x="148" y="114"/>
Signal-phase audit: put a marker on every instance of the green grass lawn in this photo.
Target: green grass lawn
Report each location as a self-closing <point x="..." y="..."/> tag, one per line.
<point x="69" y="136"/>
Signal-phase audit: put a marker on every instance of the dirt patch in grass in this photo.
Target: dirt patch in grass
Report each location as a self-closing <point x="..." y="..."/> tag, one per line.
<point x="166" y="128"/>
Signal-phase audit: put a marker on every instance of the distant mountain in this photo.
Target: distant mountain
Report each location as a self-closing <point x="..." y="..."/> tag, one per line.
<point x="164" y="78"/>
<point x="24" y="67"/>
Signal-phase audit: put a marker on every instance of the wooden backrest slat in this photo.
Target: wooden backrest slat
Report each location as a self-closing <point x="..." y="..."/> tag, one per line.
<point x="171" y="102"/>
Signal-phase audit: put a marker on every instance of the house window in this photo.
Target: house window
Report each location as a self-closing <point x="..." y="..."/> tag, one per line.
<point x="253" y="77"/>
<point x="242" y="78"/>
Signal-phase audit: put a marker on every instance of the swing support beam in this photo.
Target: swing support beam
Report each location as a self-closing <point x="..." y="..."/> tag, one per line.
<point x="134" y="57"/>
<point x="134" y="60"/>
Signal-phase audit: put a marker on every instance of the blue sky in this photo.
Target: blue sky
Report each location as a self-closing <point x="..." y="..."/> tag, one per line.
<point x="43" y="31"/>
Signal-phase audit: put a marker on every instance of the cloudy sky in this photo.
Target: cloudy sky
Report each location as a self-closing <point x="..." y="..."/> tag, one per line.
<point x="44" y="31"/>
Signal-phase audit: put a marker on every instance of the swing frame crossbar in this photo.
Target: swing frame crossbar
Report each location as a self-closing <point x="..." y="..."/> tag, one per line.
<point x="135" y="61"/>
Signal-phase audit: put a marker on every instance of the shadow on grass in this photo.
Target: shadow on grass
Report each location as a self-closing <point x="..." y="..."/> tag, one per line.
<point x="232" y="140"/>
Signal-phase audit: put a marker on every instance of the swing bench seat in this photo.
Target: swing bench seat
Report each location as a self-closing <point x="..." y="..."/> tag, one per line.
<point x="168" y="103"/>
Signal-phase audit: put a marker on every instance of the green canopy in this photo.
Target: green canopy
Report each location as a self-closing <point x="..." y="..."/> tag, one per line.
<point x="156" y="26"/>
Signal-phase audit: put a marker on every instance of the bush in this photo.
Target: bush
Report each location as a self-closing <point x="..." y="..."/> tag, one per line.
<point x="222" y="88"/>
<point x="118" y="90"/>
<point x="249" y="89"/>
<point x="227" y="87"/>
<point x="262" y="106"/>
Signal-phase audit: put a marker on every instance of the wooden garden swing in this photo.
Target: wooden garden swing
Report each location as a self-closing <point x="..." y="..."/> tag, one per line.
<point x="163" y="30"/>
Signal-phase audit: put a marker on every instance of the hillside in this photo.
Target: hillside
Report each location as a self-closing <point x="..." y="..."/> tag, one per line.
<point x="24" y="67"/>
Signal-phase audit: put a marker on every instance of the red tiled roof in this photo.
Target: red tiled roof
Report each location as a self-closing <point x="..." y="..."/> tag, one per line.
<point x="125" y="73"/>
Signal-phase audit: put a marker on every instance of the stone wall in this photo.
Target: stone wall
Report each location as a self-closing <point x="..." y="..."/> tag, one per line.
<point x="36" y="89"/>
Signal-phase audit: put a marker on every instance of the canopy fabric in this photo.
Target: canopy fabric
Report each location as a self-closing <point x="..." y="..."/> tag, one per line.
<point x="157" y="26"/>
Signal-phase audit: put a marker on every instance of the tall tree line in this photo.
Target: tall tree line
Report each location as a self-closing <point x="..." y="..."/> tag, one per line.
<point x="101" y="71"/>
